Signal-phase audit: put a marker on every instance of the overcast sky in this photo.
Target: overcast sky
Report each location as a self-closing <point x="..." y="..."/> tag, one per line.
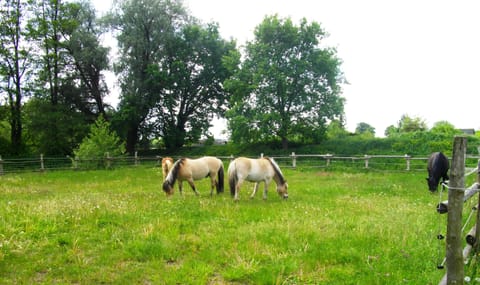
<point x="420" y="58"/>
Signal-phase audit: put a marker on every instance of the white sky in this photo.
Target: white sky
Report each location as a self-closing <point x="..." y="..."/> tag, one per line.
<point x="414" y="57"/>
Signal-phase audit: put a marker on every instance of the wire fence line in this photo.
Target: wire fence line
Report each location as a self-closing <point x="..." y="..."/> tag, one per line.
<point x="302" y="161"/>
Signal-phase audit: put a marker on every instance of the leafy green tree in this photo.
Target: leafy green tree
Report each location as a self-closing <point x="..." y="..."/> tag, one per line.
<point x="190" y="80"/>
<point x="365" y="130"/>
<point x="445" y="128"/>
<point x="142" y="29"/>
<point x="69" y="65"/>
<point x="409" y="124"/>
<point x="15" y="65"/>
<point x="290" y="85"/>
<point x="71" y="127"/>
<point x="100" y="141"/>
<point x="391" y="131"/>
<point x="336" y="130"/>
<point x="84" y="86"/>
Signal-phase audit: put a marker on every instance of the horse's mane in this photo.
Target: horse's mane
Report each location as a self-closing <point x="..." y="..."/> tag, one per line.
<point x="166" y="161"/>
<point x="173" y="174"/>
<point x="277" y="170"/>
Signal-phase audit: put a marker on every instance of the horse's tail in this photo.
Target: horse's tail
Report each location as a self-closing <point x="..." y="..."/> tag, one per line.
<point x="221" y="183"/>
<point x="232" y="177"/>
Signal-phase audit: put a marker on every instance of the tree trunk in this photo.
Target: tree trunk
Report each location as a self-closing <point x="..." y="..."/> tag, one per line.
<point x="284" y="143"/>
<point x="132" y="139"/>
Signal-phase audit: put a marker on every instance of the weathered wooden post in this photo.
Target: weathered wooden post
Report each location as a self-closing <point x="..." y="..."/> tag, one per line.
<point x="456" y="185"/>
<point x="476" y="245"/>
<point x="294" y="160"/>
<point x="136" y="158"/>
<point x="42" y="164"/>
<point x="108" y="160"/>
<point x="328" y="156"/>
<point x="367" y="157"/>
<point x="75" y="163"/>
<point x="407" y="158"/>
<point x="1" y="165"/>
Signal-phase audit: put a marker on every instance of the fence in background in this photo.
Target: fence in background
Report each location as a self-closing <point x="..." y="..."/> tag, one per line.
<point x="302" y="161"/>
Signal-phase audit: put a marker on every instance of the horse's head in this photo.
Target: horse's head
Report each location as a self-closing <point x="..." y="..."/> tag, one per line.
<point x="282" y="190"/>
<point x="432" y="184"/>
<point x="167" y="188"/>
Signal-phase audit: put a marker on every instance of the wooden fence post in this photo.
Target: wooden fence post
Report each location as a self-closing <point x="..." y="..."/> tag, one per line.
<point x="456" y="185"/>
<point x="407" y="158"/>
<point x="1" y="165"/>
<point x="294" y="160"/>
<point x="75" y="163"/>
<point x="136" y="158"/>
<point x="328" y="156"/>
<point x="367" y="157"/>
<point x="476" y="245"/>
<point x="109" y="161"/>
<point x="42" y="164"/>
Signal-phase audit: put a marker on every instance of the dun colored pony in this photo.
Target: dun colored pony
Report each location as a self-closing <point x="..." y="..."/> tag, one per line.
<point x="195" y="169"/>
<point x="256" y="170"/>
<point x="437" y="168"/>
<point x="167" y="164"/>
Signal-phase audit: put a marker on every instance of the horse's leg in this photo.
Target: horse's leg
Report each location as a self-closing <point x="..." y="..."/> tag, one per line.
<point x="265" y="190"/>
<point x="213" y="183"/>
<point x="237" y="189"/>
<point x="190" y="181"/>
<point x="255" y="188"/>
<point x="180" y="187"/>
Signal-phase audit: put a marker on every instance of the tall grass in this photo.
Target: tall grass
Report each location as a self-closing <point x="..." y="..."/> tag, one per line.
<point x="118" y="227"/>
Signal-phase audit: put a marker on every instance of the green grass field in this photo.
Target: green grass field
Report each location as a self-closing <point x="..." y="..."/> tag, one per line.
<point x="118" y="227"/>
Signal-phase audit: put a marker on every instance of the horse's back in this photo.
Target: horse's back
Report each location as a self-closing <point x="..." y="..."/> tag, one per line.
<point x="437" y="161"/>
<point x="252" y="169"/>
<point x="204" y="166"/>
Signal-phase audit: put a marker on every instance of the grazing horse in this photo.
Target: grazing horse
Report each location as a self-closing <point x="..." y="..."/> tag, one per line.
<point x="195" y="169"/>
<point x="167" y="164"/>
<point x="437" y="168"/>
<point x="256" y="170"/>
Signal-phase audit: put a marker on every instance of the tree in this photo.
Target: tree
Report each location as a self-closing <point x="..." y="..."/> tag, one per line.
<point x="391" y="131"/>
<point x="444" y="128"/>
<point x="291" y="86"/>
<point x="142" y="30"/>
<point x="408" y="124"/>
<point x="71" y="127"/>
<point x="190" y="79"/>
<point x="336" y="130"/>
<point x="100" y="140"/>
<point x="365" y="129"/>
<point x="14" y="65"/>
<point x="84" y="86"/>
<point x="69" y="66"/>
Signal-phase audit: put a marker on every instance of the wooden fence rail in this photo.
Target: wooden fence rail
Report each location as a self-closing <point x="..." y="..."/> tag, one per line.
<point x="377" y="162"/>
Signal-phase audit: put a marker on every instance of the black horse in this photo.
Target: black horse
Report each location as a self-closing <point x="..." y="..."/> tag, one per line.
<point x="437" y="168"/>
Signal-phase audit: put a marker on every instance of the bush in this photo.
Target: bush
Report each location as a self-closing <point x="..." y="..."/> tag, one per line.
<point x="97" y="144"/>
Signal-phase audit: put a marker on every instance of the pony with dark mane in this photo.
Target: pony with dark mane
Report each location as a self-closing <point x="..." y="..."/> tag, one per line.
<point x="263" y="169"/>
<point x="437" y="168"/>
<point x="189" y="170"/>
<point x="167" y="164"/>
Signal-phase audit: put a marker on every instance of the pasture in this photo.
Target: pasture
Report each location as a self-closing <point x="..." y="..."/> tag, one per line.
<point x="118" y="227"/>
